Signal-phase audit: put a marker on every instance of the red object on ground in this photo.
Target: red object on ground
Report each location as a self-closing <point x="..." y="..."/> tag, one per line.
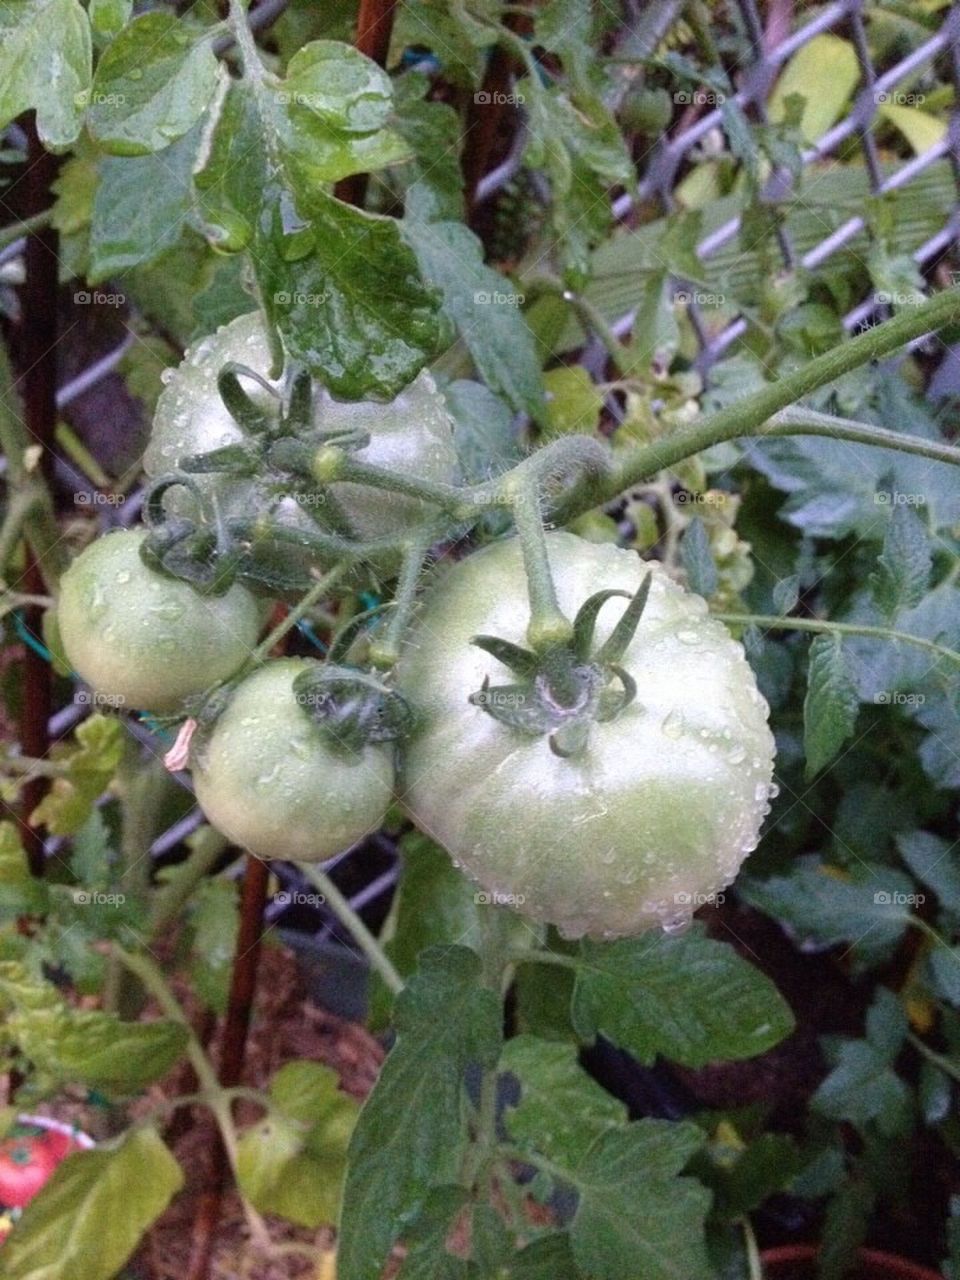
<point x="798" y="1262"/>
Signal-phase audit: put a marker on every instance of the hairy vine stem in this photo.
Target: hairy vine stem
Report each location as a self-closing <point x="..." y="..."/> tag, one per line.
<point x="776" y="623"/>
<point x="365" y="940"/>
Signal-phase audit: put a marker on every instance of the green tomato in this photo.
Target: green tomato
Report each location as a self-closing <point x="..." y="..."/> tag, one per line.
<point x="412" y="434"/>
<point x="144" y="640"/>
<point x="666" y="801"/>
<point x="269" y="779"/>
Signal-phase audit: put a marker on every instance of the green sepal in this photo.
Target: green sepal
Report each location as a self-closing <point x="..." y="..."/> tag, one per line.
<point x="522" y="662"/>
<point x="232" y="459"/>
<point x="585" y="623"/>
<point x="619" y="641"/>
<point x="352" y="707"/>
<point x="247" y="415"/>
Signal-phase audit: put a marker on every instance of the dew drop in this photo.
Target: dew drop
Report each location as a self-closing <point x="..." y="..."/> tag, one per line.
<point x="673" y="725"/>
<point x="675" y="925"/>
<point x="688" y="637"/>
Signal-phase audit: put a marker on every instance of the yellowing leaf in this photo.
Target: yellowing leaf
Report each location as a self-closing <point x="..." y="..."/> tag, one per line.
<point x="922" y="131"/>
<point x="573" y="402"/>
<point x="825" y="73"/>
<point x="91" y="761"/>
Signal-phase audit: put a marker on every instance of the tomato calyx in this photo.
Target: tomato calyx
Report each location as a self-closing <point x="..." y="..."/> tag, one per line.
<point x="562" y="691"/>
<point x="352" y="707"/>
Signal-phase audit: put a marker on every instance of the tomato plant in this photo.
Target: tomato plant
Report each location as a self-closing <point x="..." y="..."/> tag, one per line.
<point x="480" y="646"/>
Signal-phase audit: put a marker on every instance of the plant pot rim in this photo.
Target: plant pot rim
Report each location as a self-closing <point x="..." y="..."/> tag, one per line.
<point x="895" y="1267"/>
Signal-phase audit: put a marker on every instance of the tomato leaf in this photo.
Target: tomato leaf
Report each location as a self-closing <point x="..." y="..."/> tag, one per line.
<point x="90" y="1216"/>
<point x="635" y="1215"/>
<point x="108" y="17"/>
<point x="867" y="905"/>
<point x="698" y="559"/>
<point x="126" y="230"/>
<point x="687" y="999"/>
<point x="91" y="762"/>
<point x="151" y="86"/>
<point x="66" y="1044"/>
<point x="292" y="1162"/>
<point x="903" y="569"/>
<point x="486" y="314"/>
<point x="562" y="1111"/>
<point x="46" y="62"/>
<point x="21" y="893"/>
<point x="214" y="919"/>
<point x="339" y="285"/>
<point x="831" y="705"/>
<point x="445" y="1021"/>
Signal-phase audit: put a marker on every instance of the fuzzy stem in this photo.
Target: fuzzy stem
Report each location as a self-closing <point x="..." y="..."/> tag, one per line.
<point x="772" y="623"/>
<point x="548" y="625"/>
<point x="385" y="651"/>
<point x="316" y="593"/>
<point x="368" y="944"/>
<point x="750" y="417"/>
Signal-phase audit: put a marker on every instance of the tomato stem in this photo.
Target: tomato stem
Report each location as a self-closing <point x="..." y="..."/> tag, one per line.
<point x="842" y="628"/>
<point x="317" y="592"/>
<point x="752" y="415"/>
<point x="365" y="940"/>
<point x="548" y="625"/>
<point x="385" y="651"/>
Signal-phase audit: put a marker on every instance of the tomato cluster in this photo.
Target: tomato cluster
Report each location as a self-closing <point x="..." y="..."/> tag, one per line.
<point x="612" y="787"/>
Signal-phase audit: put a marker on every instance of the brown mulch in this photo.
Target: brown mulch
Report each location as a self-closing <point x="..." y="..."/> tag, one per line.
<point x="286" y="1025"/>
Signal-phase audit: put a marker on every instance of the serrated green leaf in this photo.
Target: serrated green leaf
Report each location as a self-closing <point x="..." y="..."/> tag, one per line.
<point x="425" y="1240"/>
<point x="863" y="1089"/>
<point x="91" y="761"/>
<point x="786" y="592"/>
<point x="108" y="17"/>
<point x="66" y="1044"/>
<point x="20" y="892"/>
<point x="698" y="560"/>
<point x="561" y="1111"/>
<point x="91" y="1215"/>
<point x="214" y="919"/>
<point x="483" y="430"/>
<point x="484" y="307"/>
<point x="338" y="284"/>
<point x="46" y="62"/>
<point x="91" y="857"/>
<point x="432" y="179"/>
<point x="867" y="905"/>
<point x="152" y="84"/>
<point x="762" y="1169"/>
<point x="831" y="705"/>
<point x="934" y="861"/>
<point x="128" y="231"/>
<point x="573" y="401"/>
<point x="687" y="999"/>
<point x="292" y="1163"/>
<point x="635" y="1215"/>
<point x="903" y="569"/>
<point x="410" y="1135"/>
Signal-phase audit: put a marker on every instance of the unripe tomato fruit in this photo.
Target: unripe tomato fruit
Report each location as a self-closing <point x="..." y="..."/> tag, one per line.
<point x="412" y="434"/>
<point x="665" y="802"/>
<point x="142" y="639"/>
<point x="270" y="780"/>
